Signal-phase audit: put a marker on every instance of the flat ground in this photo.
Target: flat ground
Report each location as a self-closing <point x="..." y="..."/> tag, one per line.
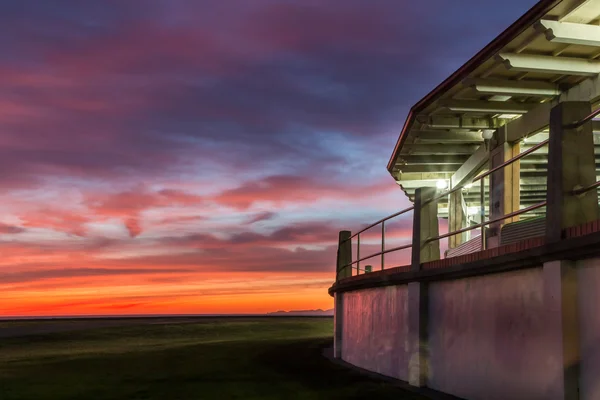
<point x="179" y="358"/>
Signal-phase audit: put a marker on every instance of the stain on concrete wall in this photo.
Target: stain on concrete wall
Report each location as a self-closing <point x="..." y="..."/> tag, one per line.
<point x="589" y="316"/>
<point x="375" y="330"/>
<point x="486" y="337"/>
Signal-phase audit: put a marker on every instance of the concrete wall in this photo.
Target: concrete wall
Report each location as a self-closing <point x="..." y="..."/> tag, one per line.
<point x="589" y="316"/>
<point x="375" y="330"/>
<point x="491" y="337"/>
<point x="486" y="337"/>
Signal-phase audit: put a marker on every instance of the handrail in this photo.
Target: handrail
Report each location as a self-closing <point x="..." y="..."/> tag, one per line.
<point x="406" y="246"/>
<point x="512" y="160"/>
<point x="481" y="178"/>
<point x="577" y="124"/>
<point x="491" y="171"/>
<point x="585" y="189"/>
<point x="380" y="221"/>
<point x="481" y="225"/>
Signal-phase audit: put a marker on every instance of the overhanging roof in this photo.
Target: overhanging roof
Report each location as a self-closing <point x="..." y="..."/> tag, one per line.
<point x="551" y="52"/>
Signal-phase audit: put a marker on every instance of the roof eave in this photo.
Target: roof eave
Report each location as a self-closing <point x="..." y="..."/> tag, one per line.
<point x="530" y="17"/>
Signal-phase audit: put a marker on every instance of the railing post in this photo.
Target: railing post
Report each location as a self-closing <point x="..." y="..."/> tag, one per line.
<point x="344" y="256"/>
<point x="357" y="254"/>
<point x="425" y="226"/>
<point x="571" y="164"/>
<point x="482" y="212"/>
<point x="382" y="244"/>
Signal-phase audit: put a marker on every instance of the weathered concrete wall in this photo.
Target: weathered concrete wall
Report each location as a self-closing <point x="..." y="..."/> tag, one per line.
<point x="486" y="337"/>
<point x="375" y="330"/>
<point x="589" y="316"/>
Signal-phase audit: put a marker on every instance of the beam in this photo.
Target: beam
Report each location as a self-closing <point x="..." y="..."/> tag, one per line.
<point x="549" y="64"/>
<point x="446" y="122"/>
<point x="424" y="149"/>
<point x="489" y="107"/>
<point x="429" y="167"/>
<point x="588" y="90"/>
<point x="513" y="88"/>
<point x="433" y="160"/>
<point x="570" y="33"/>
<point x="471" y="167"/>
<point x="442" y="136"/>
<point x="585" y="11"/>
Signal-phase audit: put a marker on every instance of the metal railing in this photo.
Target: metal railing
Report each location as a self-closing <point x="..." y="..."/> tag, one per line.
<point x="577" y="124"/>
<point x="383" y="251"/>
<point x="479" y="178"/>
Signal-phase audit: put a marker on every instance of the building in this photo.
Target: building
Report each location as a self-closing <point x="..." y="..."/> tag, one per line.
<point x="507" y="150"/>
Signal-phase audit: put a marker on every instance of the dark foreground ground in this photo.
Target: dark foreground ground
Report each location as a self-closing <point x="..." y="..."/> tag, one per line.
<point x="241" y="358"/>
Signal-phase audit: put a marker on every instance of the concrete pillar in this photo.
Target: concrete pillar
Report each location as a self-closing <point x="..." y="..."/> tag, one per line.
<point x="457" y="219"/>
<point x="562" y="329"/>
<point x="571" y="165"/>
<point x="504" y="188"/>
<point x="425" y="226"/>
<point x="338" y="323"/>
<point x="417" y="334"/>
<point x="344" y="256"/>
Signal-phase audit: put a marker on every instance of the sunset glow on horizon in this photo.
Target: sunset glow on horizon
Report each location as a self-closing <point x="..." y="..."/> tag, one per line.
<point x="190" y="157"/>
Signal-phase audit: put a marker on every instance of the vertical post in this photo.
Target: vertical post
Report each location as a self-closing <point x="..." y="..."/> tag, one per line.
<point x="382" y="244"/>
<point x="482" y="211"/>
<point x="358" y="254"/>
<point x="457" y="219"/>
<point x="504" y="189"/>
<point x="571" y="164"/>
<point x="425" y="227"/>
<point x="343" y="270"/>
<point x="562" y="329"/>
<point x="338" y="324"/>
<point x="418" y="310"/>
<point x="344" y="256"/>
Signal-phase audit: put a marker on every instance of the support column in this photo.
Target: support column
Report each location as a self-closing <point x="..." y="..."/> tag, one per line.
<point x="338" y="323"/>
<point x="571" y="165"/>
<point x="562" y="329"/>
<point x="425" y="226"/>
<point x="505" y="193"/>
<point x="343" y="270"/>
<point x="418" y="309"/>
<point x="344" y="256"/>
<point x="457" y="219"/>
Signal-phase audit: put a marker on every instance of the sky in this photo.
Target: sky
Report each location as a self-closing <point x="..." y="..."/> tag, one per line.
<point x="200" y="157"/>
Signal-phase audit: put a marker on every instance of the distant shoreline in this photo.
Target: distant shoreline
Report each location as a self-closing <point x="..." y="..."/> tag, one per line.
<point x="158" y="316"/>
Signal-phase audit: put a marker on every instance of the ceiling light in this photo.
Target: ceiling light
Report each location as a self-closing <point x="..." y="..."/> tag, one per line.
<point x="473" y="210"/>
<point x="487" y="134"/>
<point x="508" y="116"/>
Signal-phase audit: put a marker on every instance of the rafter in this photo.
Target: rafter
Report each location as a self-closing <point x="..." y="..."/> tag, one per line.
<point x="444" y="136"/>
<point x="570" y="33"/>
<point x="513" y="88"/>
<point x="583" y="12"/>
<point x="549" y="64"/>
<point x="421" y="148"/>
<point x="490" y="107"/>
<point x="445" y="122"/>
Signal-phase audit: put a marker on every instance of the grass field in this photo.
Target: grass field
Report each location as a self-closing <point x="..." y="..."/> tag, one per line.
<point x="241" y="358"/>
